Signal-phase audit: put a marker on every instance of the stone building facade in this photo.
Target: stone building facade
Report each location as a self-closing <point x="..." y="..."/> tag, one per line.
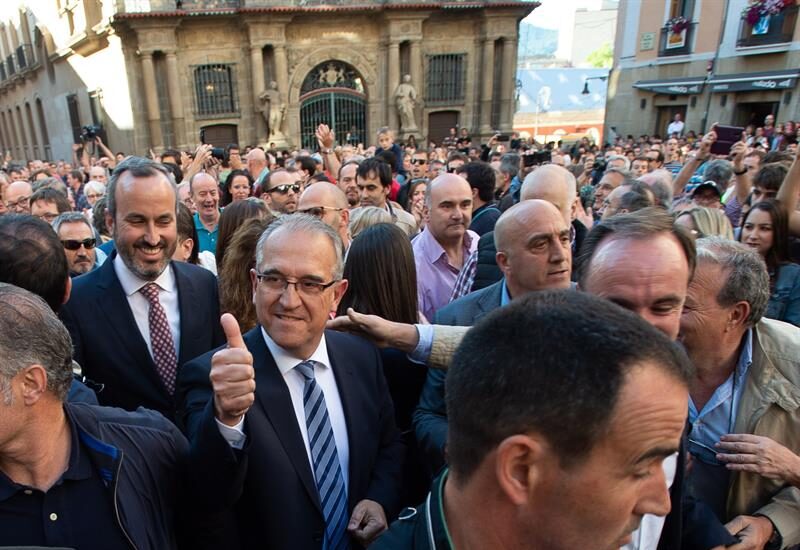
<point x="154" y="73"/>
<point x="718" y="68"/>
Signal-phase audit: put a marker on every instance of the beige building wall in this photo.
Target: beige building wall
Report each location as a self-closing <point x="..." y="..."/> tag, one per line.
<point x="714" y="51"/>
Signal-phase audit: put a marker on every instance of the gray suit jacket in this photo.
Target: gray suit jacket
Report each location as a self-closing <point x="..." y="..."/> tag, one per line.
<point x="430" y="417"/>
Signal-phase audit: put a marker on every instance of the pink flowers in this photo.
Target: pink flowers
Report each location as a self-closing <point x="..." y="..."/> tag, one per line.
<point x="761" y="8"/>
<point x="678" y="24"/>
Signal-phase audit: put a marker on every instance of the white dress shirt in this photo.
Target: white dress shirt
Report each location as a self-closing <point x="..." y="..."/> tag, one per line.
<point x="648" y="534"/>
<point x="295" y="382"/>
<point x="167" y="295"/>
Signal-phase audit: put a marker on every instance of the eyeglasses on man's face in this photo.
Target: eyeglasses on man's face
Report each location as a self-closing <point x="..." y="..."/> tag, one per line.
<point x="73" y="244"/>
<point x="275" y="282"/>
<point x="284" y="189"/>
<point x="318" y="211"/>
<point x="21" y="202"/>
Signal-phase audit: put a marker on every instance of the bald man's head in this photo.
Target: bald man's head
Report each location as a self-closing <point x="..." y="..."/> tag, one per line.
<point x="533" y="247"/>
<point x="256" y="162"/>
<point x="328" y="203"/>
<point x="554" y="184"/>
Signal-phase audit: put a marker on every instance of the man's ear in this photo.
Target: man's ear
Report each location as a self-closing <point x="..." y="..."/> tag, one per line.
<point x="520" y="466"/>
<point x="67" y="290"/>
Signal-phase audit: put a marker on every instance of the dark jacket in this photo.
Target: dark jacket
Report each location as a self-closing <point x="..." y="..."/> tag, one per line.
<point x="784" y="303"/>
<point x="112" y="352"/>
<point x="141" y="458"/>
<point x="430" y="417"/>
<point x="268" y="486"/>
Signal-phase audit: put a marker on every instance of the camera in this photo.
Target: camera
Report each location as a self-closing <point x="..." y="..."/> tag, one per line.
<point x="216" y="152"/>
<point x="89" y="132"/>
<point x="599" y="165"/>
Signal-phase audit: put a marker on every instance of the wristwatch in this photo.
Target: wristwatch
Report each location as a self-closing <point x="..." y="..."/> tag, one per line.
<point x="740" y="172"/>
<point x="326" y="151"/>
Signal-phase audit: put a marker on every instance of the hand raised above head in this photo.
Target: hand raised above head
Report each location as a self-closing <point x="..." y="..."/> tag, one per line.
<point x="232" y="375"/>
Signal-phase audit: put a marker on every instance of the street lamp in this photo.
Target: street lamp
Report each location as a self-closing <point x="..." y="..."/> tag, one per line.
<point x="586" y="83"/>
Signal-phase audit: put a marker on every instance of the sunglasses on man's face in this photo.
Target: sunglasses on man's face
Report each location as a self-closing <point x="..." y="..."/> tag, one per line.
<point x="283" y="189"/>
<point x="72" y="244"/>
<point x="419" y="162"/>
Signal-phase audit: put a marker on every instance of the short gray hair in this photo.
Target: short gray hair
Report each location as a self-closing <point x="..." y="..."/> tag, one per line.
<point x="94" y="185"/>
<point x="302" y="223"/>
<point x="71" y="217"/>
<point x="627" y="177"/>
<point x="139" y="167"/>
<point x="509" y="164"/>
<point x="31" y="334"/>
<point x="747" y="280"/>
<point x="720" y="172"/>
<point x="625" y="166"/>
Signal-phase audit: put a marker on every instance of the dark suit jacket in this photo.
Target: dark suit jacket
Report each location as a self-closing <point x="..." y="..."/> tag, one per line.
<point x="430" y="417"/>
<point x="269" y="485"/>
<point x="109" y="347"/>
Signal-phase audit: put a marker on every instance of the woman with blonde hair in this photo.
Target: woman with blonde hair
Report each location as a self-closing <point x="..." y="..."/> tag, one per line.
<point x="705" y="222"/>
<point x="367" y="216"/>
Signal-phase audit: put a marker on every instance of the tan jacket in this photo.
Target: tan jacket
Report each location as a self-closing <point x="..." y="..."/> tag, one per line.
<point x="404" y="220"/>
<point x="770" y="407"/>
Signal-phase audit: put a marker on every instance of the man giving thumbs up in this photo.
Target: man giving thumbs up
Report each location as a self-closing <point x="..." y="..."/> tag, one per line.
<point x="292" y="427"/>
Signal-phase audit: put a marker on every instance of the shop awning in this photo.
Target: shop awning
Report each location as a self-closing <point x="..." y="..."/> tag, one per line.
<point x="749" y="82"/>
<point x="672" y="86"/>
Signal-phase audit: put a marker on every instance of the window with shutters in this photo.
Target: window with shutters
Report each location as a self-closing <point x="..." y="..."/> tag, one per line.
<point x="215" y="90"/>
<point x="446" y="76"/>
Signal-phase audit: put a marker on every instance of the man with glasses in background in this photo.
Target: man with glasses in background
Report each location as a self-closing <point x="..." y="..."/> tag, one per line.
<point x="290" y="384"/>
<point x="281" y="190"/>
<point x="18" y="197"/>
<point x="77" y="237"/>
<point x="46" y="204"/>
<point x="329" y="204"/>
<point x="419" y="165"/>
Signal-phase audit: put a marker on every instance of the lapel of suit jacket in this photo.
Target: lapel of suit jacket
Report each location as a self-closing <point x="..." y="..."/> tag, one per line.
<point x="273" y="396"/>
<point x="111" y="300"/>
<point x="490" y="300"/>
<point x="187" y="295"/>
<point x="343" y="373"/>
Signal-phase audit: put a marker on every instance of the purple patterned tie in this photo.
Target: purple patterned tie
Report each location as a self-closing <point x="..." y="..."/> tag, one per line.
<point x="161" y="338"/>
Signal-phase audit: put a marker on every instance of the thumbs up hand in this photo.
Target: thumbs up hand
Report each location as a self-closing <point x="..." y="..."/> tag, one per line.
<point x="232" y="375"/>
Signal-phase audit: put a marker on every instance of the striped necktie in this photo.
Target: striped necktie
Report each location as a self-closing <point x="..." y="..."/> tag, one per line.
<point x="327" y="470"/>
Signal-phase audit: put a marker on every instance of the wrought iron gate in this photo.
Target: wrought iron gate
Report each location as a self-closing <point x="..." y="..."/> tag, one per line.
<point x="342" y="109"/>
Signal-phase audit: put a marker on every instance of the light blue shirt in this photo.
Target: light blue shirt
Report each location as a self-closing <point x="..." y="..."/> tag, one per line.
<point x="505" y="297"/>
<point x="719" y="415"/>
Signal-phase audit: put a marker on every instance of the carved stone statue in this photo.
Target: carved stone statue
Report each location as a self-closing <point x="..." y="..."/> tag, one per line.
<point x="405" y="97"/>
<point x="272" y="109"/>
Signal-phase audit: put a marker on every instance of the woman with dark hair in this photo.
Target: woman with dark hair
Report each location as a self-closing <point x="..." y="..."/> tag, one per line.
<point x="415" y="199"/>
<point x="237" y="187"/>
<point x="383" y="281"/>
<point x="233" y="217"/>
<point x="188" y="249"/>
<point x="765" y="228"/>
<point x="235" y="286"/>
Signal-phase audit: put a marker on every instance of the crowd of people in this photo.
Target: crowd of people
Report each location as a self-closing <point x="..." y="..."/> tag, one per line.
<point x="463" y="345"/>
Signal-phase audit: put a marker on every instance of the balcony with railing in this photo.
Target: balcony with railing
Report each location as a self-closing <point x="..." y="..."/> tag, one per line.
<point x="769" y="30"/>
<point x="25" y="58"/>
<point x="672" y="43"/>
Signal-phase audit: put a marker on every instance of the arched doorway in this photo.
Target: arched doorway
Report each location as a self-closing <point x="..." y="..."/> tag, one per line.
<point x="333" y="93"/>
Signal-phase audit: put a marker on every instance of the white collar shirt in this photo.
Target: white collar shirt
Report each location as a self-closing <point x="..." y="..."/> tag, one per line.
<point x="140" y="307"/>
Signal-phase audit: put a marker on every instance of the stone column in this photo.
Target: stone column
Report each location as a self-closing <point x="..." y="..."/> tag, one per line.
<point x="257" y="73"/>
<point x="416" y="79"/>
<point x="508" y="84"/>
<point x="487" y="83"/>
<point x="151" y="100"/>
<point x="393" y="81"/>
<point x="282" y="71"/>
<point x="175" y="99"/>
